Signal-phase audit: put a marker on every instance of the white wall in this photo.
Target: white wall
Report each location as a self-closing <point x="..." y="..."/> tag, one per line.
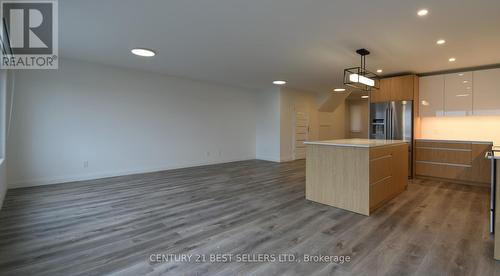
<point x="122" y="121"/>
<point x="363" y="114"/>
<point x="332" y="124"/>
<point x="474" y="128"/>
<point x="268" y="125"/>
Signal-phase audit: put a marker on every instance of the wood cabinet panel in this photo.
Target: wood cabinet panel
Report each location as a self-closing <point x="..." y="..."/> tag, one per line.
<point x="343" y="176"/>
<point x="481" y="166"/>
<point x="443" y="171"/>
<point x="444" y="144"/>
<point x="338" y="176"/>
<point x="461" y="157"/>
<point x="395" y="89"/>
<point x="388" y="173"/>
<point x="383" y="94"/>
<point x="380" y="168"/>
<point x="462" y="162"/>
<point x="401" y="88"/>
<point x="380" y="192"/>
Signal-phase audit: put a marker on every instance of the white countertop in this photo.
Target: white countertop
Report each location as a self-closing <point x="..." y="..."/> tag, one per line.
<point x="361" y="143"/>
<point x="496" y="155"/>
<point x="453" y="141"/>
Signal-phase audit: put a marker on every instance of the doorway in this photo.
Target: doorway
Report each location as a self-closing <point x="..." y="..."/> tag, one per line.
<point x="301" y="134"/>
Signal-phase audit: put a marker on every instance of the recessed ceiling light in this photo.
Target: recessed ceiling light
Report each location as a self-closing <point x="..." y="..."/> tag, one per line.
<point x="440" y="42"/>
<point x="143" y="52"/>
<point x="465" y="81"/>
<point x="379" y="70"/>
<point x="461" y="74"/>
<point x="339" y="89"/>
<point x="426" y="103"/>
<point x="279" y="82"/>
<point x="422" y="12"/>
<point x="462" y="95"/>
<point x="452" y="59"/>
<point x="365" y="97"/>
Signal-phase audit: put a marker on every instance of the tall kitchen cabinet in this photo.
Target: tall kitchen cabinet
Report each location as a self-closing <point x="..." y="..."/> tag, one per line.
<point x="401" y="88"/>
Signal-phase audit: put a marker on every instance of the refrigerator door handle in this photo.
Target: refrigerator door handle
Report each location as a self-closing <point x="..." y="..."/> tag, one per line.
<point x="390" y="122"/>
<point x="393" y="123"/>
<point x="387" y="123"/>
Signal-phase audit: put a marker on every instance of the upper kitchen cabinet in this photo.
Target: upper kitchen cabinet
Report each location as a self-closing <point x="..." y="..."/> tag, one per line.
<point x="383" y="94"/>
<point x="431" y="99"/>
<point x="486" y="92"/>
<point x="458" y="94"/>
<point x="400" y="88"/>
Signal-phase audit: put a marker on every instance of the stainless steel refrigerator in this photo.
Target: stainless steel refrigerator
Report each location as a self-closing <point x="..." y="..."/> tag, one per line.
<point x="393" y="121"/>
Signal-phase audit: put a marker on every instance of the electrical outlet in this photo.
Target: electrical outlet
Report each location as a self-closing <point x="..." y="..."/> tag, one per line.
<point x="85" y="164"/>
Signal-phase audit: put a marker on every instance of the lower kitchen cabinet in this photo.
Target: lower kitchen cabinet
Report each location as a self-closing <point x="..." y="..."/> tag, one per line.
<point x="387" y="175"/>
<point x="456" y="161"/>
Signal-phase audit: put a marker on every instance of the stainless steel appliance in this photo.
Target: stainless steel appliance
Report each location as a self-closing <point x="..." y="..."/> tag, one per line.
<point x="491" y="155"/>
<point x="393" y="121"/>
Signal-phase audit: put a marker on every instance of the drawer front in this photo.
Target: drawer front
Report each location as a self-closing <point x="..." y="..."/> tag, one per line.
<point x="380" y="168"/>
<point x="443" y="145"/>
<point x="380" y="191"/>
<point x="443" y="171"/>
<point x="440" y="155"/>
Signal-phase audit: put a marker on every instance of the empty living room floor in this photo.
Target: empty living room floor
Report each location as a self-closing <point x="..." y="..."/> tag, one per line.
<point x="115" y="226"/>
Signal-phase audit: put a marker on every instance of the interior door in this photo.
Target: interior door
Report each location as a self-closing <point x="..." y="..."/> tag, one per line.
<point x="301" y="134"/>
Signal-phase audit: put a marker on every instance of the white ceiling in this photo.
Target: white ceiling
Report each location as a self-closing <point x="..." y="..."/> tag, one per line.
<point x="249" y="43"/>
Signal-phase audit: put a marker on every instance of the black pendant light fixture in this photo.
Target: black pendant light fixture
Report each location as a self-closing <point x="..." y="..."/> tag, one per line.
<point x="359" y="78"/>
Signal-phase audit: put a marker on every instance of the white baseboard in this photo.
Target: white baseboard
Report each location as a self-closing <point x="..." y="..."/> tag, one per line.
<point x="93" y="176"/>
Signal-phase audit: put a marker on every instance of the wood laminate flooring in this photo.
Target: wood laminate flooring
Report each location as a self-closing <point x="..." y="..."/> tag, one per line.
<point x="112" y="226"/>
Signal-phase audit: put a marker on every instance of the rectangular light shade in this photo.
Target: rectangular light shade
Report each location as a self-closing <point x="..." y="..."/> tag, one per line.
<point x="361" y="79"/>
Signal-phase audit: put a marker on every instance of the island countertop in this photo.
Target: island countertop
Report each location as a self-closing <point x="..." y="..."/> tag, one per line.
<point x="360" y="143"/>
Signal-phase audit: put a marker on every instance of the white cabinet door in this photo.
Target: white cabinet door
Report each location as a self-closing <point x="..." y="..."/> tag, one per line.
<point x="431" y="95"/>
<point x="458" y="94"/>
<point x="487" y="92"/>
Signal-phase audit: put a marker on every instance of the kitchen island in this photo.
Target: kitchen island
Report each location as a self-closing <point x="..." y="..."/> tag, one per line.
<point x="358" y="175"/>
